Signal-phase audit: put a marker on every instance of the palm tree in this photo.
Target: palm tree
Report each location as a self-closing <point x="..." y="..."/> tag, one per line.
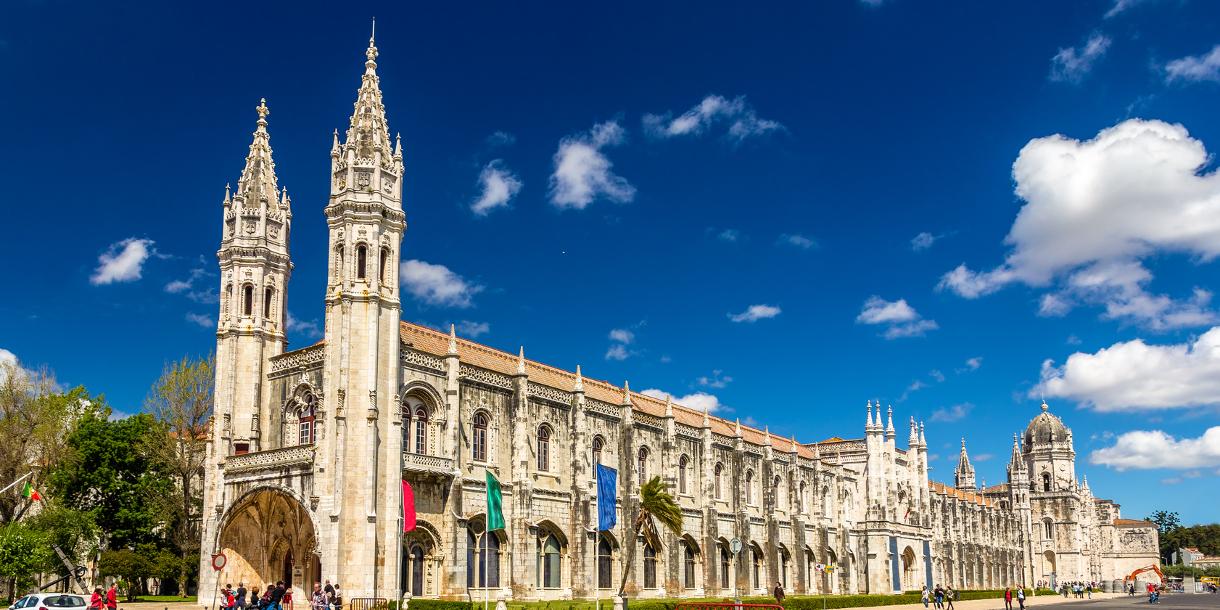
<point x="656" y="504"/>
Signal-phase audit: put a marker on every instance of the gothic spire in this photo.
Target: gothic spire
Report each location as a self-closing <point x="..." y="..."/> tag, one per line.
<point x="963" y="475"/>
<point x="579" y="386"/>
<point x="452" y="340"/>
<point x="868" y="420"/>
<point x="923" y="442"/>
<point x="627" y="393"/>
<point x="369" y="132"/>
<point x="258" y="186"/>
<point x="889" y="416"/>
<point x="913" y="437"/>
<point x="521" y="361"/>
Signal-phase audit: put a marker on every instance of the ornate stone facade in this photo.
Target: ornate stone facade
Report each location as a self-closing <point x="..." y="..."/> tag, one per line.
<point x="307" y="448"/>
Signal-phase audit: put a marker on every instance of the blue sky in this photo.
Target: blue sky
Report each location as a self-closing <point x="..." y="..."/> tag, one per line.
<point x="781" y="211"/>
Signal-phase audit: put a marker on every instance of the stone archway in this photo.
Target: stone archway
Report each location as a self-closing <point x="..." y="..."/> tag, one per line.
<point x="268" y="536"/>
<point x="909" y="570"/>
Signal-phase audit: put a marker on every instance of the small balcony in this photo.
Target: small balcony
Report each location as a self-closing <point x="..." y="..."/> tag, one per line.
<point x="298" y="456"/>
<point x="426" y="464"/>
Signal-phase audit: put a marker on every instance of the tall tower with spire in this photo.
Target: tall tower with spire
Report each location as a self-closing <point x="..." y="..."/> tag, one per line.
<point x="254" y="272"/>
<point x="963" y="475"/>
<point x="365" y="220"/>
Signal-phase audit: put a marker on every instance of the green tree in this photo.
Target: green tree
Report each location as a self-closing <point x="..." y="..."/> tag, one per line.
<point x="109" y="474"/>
<point x="128" y="566"/>
<point x="656" y="505"/>
<point x="24" y="552"/>
<point x="1167" y="524"/>
<point x="181" y="400"/>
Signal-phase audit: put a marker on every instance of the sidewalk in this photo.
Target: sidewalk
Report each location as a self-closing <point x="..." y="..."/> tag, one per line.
<point x="998" y="603"/>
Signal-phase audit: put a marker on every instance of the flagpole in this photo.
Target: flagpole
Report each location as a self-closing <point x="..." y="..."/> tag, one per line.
<point x="14" y="483"/>
<point x="486" y="552"/>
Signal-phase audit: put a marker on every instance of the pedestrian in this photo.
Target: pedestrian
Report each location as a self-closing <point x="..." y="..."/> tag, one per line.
<point x="329" y="590"/>
<point x="923" y="596"/>
<point x="98" y="600"/>
<point x="112" y="597"/>
<point x="949" y="595"/>
<point x="338" y="599"/>
<point x="779" y="593"/>
<point x="1021" y="596"/>
<point x="241" y="596"/>
<point x="286" y="603"/>
<point x="1008" y="598"/>
<point x="1089" y="590"/>
<point x="939" y="595"/>
<point x="254" y="597"/>
<point x="318" y="600"/>
<point x="277" y="596"/>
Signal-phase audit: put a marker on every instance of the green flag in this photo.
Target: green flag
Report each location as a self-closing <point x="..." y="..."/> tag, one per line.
<point x="495" y="504"/>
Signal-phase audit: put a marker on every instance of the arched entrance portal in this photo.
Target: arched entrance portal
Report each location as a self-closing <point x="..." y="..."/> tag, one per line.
<point x="908" y="570"/>
<point x="267" y="535"/>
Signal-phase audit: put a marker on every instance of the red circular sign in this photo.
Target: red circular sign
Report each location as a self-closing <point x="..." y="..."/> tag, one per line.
<point x="218" y="561"/>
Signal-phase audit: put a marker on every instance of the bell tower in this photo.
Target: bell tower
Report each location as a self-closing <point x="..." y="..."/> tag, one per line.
<point x="365" y="221"/>
<point x="254" y="271"/>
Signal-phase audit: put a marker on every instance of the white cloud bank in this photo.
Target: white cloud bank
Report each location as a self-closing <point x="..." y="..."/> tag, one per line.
<point x="755" y="313"/>
<point x="1136" y="376"/>
<point x="1150" y="449"/>
<point x="436" y="284"/>
<point x="743" y="122"/>
<point x="1072" y="64"/>
<point x="122" y="262"/>
<point x="583" y="173"/>
<point x="699" y="401"/>
<point x="498" y="185"/>
<point x="898" y="317"/>
<point x="1195" y="68"/>
<point x="1094" y="210"/>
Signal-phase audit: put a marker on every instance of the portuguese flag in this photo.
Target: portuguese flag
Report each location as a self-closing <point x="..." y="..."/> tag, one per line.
<point x="495" y="504"/>
<point x="30" y="493"/>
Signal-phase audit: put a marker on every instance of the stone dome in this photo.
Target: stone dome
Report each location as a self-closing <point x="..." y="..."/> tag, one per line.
<point x="1046" y="428"/>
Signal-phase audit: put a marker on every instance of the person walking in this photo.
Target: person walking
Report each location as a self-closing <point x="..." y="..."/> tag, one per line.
<point x="779" y="593"/>
<point x="337" y="601"/>
<point x="1021" y="596"/>
<point x="949" y="594"/>
<point x="112" y="597"/>
<point x="318" y="600"/>
<point x="241" y="596"/>
<point x="277" y="595"/>
<point x="939" y="596"/>
<point x="1008" y="598"/>
<point x="923" y="596"/>
<point x="329" y="590"/>
<point x="98" y="600"/>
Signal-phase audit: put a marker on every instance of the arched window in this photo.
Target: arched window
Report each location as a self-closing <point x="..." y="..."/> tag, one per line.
<point x="421" y="430"/>
<point x="778" y="490"/>
<point x="544" y="448"/>
<point x="749" y="487"/>
<point x="688" y="566"/>
<point x="228" y="304"/>
<point x="247" y="295"/>
<point x="724" y="568"/>
<point x="1048" y="528"/>
<point x="683" y="463"/>
<point x="267" y="294"/>
<point x="383" y="271"/>
<point x="718" y="475"/>
<point x="604" y="563"/>
<point x="339" y="262"/>
<point x="650" y="567"/>
<point x="756" y="556"/>
<point x="802" y="500"/>
<point x="548" y="562"/>
<point x="642" y="465"/>
<point x="305" y="417"/>
<point x="598" y="444"/>
<point x="362" y="254"/>
<point x="472" y="552"/>
<point x="1046" y="481"/>
<point x="417" y="571"/>
<point x="478" y="441"/>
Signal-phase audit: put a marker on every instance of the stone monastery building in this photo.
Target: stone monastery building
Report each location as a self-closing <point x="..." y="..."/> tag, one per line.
<point x="307" y="449"/>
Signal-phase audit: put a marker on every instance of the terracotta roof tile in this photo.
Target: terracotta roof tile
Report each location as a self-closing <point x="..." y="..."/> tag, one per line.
<point x="1133" y="523"/>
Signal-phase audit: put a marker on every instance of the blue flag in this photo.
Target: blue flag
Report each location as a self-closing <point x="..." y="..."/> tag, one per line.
<point x="607" y="491"/>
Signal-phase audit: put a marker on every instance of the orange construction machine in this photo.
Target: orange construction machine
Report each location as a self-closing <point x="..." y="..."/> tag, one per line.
<point x="1152" y="568"/>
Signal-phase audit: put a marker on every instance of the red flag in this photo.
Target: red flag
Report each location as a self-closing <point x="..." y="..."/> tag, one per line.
<point x="408" y="507"/>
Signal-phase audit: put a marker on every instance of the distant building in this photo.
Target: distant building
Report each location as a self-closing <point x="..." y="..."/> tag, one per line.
<point x="308" y="448"/>
<point x="1190" y="556"/>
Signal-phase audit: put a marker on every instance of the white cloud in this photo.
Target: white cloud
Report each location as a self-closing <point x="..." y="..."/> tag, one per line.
<point x="953" y="413"/>
<point x="716" y="380"/>
<point x="743" y="122"/>
<point x="974" y="363"/>
<point x="8" y="360"/>
<point x="499" y="186"/>
<point x="7" y="357"/>
<point x="755" y="313"/>
<point x="468" y="328"/>
<point x="1095" y="209"/>
<point x="901" y="319"/>
<point x="699" y="401"/>
<point x="618" y="351"/>
<point x="923" y="241"/>
<point x="583" y="174"/>
<point x="1072" y="64"/>
<point x="622" y="335"/>
<point x="1195" y="68"/>
<point x="501" y="138"/>
<point x="436" y="284"/>
<point x="1121" y="6"/>
<point x="204" y="321"/>
<point x="307" y="328"/>
<point x="1149" y="449"/>
<point x="187" y="286"/>
<point x="983" y="457"/>
<point x="937" y="375"/>
<point x="1133" y="375"/>
<point x="729" y="235"/>
<point x="797" y="241"/>
<point x="122" y="262"/>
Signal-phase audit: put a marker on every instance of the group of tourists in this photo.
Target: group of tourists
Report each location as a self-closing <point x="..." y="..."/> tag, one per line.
<point x="104" y="600"/>
<point x="278" y="597"/>
<point x="940" y="597"/>
<point x="1077" y="589"/>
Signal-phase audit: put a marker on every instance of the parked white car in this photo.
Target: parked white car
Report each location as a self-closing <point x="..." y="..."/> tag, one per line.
<point x="50" y="601"/>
